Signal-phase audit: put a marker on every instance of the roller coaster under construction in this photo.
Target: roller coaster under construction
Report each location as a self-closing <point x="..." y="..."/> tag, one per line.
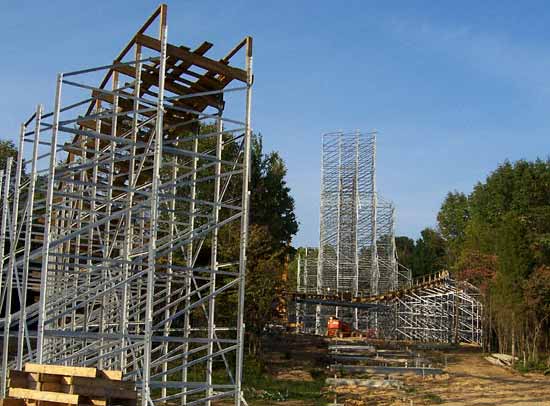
<point x="111" y="219"/>
<point x="354" y="274"/>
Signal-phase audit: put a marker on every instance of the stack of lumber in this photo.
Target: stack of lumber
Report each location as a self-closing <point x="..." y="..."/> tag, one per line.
<point x="501" y="360"/>
<point x="51" y="385"/>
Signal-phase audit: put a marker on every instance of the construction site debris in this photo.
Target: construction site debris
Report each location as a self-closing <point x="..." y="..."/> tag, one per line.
<point x="372" y="369"/>
<point x="502" y="360"/>
<point x="371" y="383"/>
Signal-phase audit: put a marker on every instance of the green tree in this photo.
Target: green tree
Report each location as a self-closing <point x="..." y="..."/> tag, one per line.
<point x="499" y="239"/>
<point x="537" y="303"/>
<point x="7" y="149"/>
<point x="405" y="251"/>
<point x="453" y="218"/>
<point x="272" y="226"/>
<point x="430" y="254"/>
<point x="270" y="200"/>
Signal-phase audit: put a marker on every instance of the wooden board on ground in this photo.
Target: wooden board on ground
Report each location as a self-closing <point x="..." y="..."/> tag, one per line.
<point x="112" y="375"/>
<point x="61" y="370"/>
<point x="56" y="397"/>
<point x="97" y="383"/>
<point x="53" y="385"/>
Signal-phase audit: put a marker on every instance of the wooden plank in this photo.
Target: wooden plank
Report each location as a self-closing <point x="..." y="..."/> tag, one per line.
<point x="125" y="50"/>
<point x="101" y="383"/>
<point x="151" y="79"/>
<point x="112" y="375"/>
<point x="99" y="388"/>
<point x="44" y="396"/>
<point x="61" y="370"/>
<point x="48" y="387"/>
<point x="36" y="377"/>
<point x="199" y="60"/>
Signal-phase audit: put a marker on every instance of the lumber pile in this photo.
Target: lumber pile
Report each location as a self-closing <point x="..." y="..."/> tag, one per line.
<point x="51" y="385"/>
<point x="501" y="360"/>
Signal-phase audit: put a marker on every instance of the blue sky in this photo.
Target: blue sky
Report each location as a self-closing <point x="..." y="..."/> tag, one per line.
<point x="453" y="88"/>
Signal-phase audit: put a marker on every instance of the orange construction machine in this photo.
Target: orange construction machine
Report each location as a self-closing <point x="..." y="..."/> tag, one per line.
<point x="338" y="328"/>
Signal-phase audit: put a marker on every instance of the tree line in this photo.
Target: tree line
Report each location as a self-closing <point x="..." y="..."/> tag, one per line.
<point x="498" y="238"/>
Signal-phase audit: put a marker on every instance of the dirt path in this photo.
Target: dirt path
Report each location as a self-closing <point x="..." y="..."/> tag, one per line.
<point x="474" y="381"/>
<point x="297" y="369"/>
<point x="470" y="380"/>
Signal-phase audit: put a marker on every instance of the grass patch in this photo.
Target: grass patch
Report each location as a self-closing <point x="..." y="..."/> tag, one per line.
<point x="260" y="386"/>
<point x="432" y="398"/>
<point x="531" y="366"/>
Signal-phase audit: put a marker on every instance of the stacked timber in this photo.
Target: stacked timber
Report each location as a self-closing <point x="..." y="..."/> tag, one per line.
<point x="368" y="359"/>
<point x="501" y="360"/>
<point x="51" y="385"/>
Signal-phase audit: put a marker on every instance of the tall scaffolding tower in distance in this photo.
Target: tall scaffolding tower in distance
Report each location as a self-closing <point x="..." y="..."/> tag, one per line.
<point x="115" y="215"/>
<point x="357" y="244"/>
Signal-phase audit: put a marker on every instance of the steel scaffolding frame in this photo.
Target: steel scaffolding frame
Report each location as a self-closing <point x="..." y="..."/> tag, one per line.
<point x="433" y="309"/>
<point x="307" y="270"/>
<point x="357" y="245"/>
<point x="115" y="218"/>
<point x="449" y="311"/>
<point x="358" y="278"/>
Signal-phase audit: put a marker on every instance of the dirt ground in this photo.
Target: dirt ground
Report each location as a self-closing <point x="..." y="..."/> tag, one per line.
<point x="470" y="380"/>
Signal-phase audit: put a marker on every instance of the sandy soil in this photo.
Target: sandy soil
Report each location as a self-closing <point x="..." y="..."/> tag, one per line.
<point x="470" y="380"/>
<point x="474" y="381"/>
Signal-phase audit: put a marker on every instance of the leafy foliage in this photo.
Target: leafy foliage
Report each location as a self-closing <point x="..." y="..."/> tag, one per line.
<point x="7" y="149"/>
<point x="271" y="203"/>
<point x="272" y="226"/>
<point x="498" y="238"/>
<point x="424" y="256"/>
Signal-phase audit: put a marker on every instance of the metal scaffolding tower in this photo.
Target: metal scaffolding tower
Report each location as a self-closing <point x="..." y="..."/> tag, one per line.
<point x="446" y="311"/>
<point x="358" y="278"/>
<point x="357" y="246"/>
<point x="434" y="308"/>
<point x="115" y="214"/>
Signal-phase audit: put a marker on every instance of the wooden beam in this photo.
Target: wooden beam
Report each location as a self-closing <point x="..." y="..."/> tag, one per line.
<point x="112" y="375"/>
<point x="97" y="383"/>
<point x="199" y="60"/>
<point x="151" y="79"/>
<point x="61" y="370"/>
<point x="129" y="45"/>
<point x="66" y="398"/>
